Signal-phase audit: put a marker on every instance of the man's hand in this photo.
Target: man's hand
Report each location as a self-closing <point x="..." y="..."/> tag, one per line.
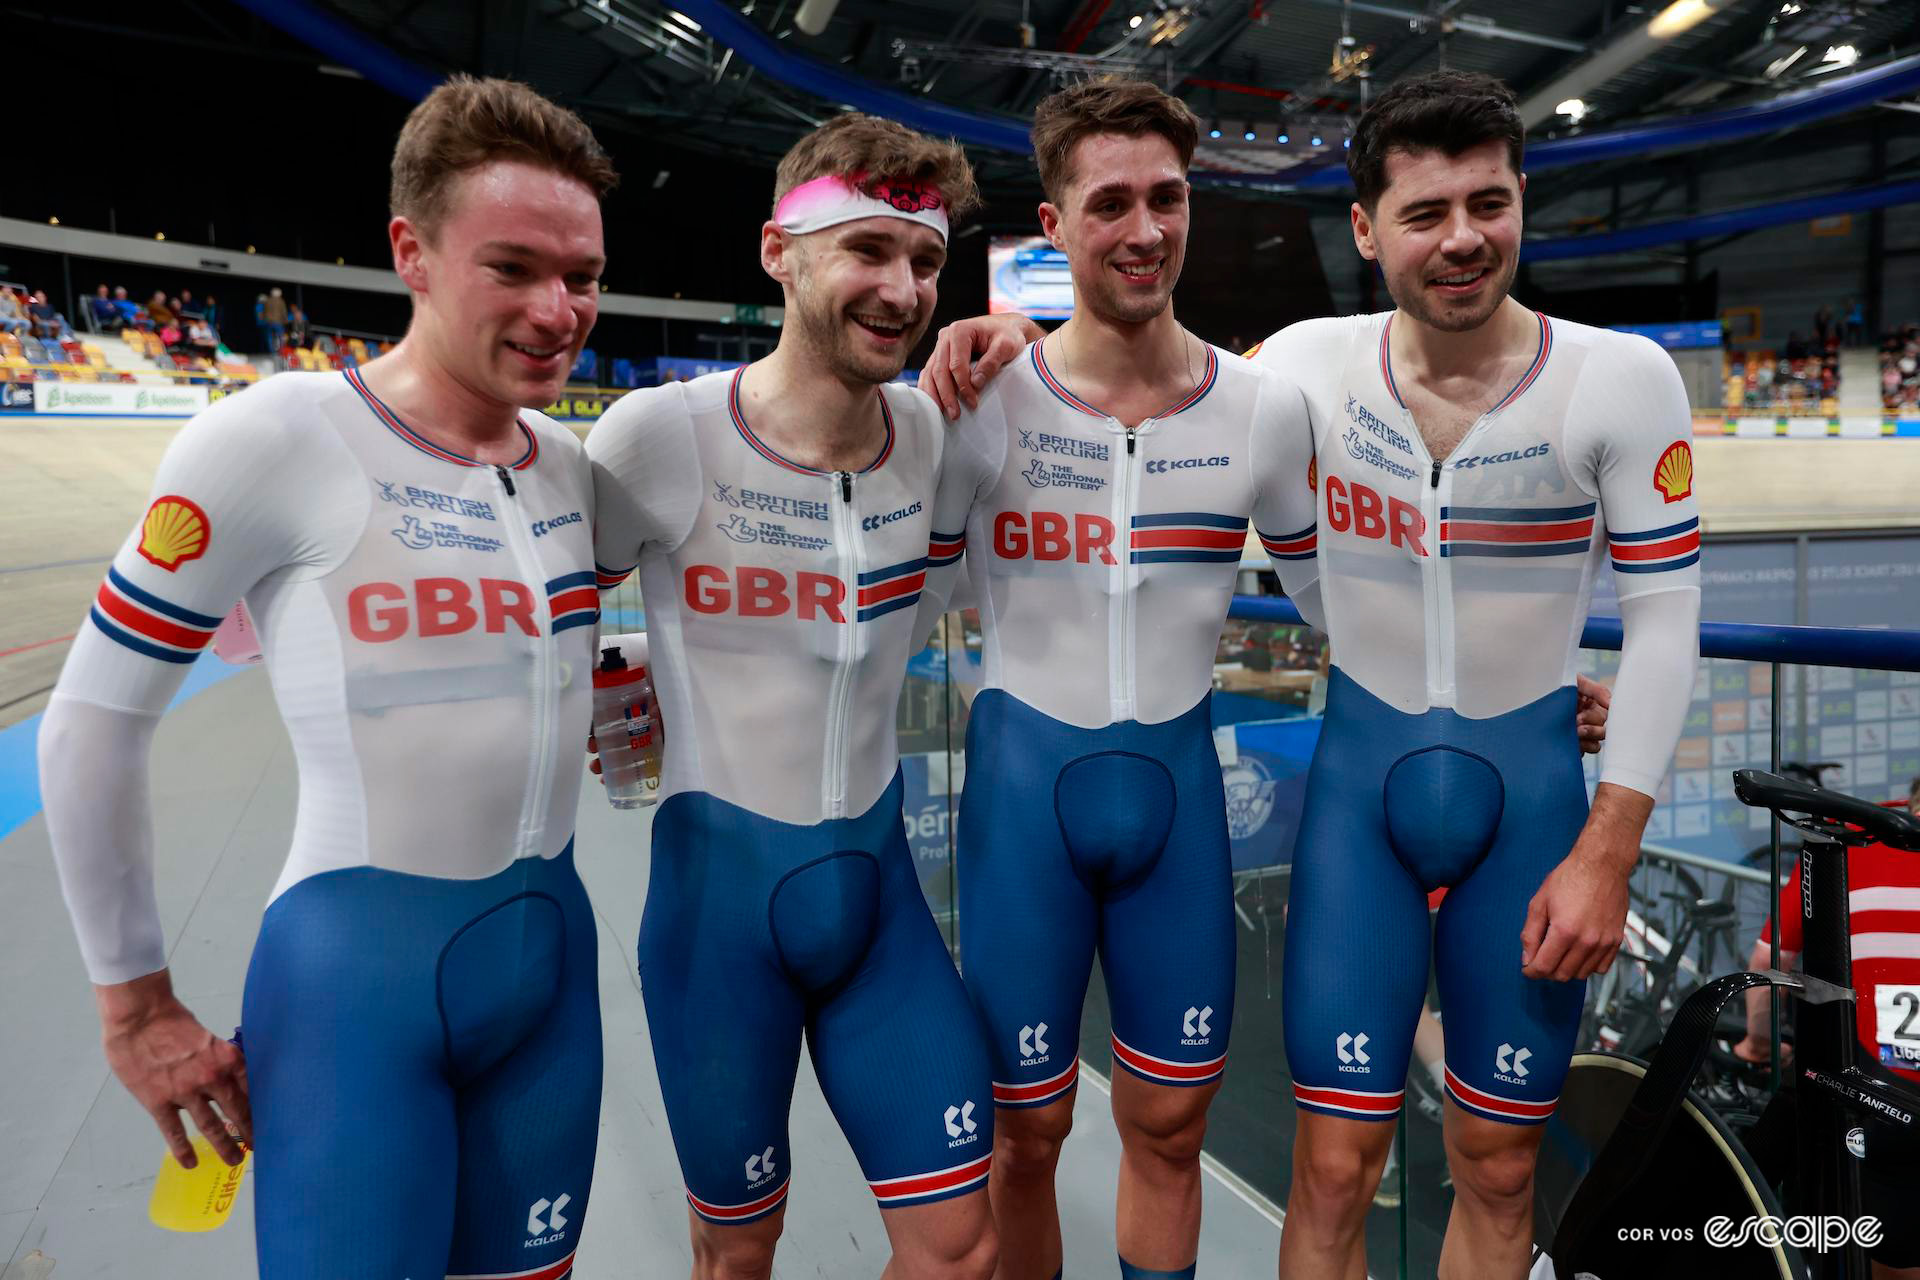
<point x="1595" y="701"/>
<point x="967" y="355"/>
<point x="1576" y="922"/>
<point x="170" y="1063"/>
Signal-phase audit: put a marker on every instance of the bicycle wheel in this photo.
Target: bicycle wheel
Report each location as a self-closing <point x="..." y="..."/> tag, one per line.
<point x="1659" y="1226"/>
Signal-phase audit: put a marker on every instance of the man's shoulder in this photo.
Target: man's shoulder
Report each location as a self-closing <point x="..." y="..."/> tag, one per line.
<point x="1310" y="347"/>
<point x="644" y="412"/>
<point x="1616" y="347"/>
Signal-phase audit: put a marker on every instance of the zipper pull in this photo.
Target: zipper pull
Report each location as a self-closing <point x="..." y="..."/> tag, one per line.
<point x="505" y="479"/>
<point x="1129" y="442"/>
<point x="1436" y="475"/>
<point x="846" y="486"/>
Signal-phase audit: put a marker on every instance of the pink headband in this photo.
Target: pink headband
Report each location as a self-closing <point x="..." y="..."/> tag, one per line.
<point x="830" y="201"/>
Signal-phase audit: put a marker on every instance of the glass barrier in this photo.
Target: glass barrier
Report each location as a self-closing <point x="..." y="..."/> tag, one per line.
<point x="1698" y="899"/>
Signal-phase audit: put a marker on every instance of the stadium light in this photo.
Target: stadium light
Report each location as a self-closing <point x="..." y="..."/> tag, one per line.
<point x="251" y="249"/>
<point x="1133" y="23"/>
<point x="159" y="235"/>
<point x="1678" y="17"/>
<point x="1842" y="55"/>
<point x="1285" y="139"/>
<point x="1213" y="133"/>
<point x="1249" y="135"/>
<point x="53" y="222"/>
<point x="1316" y="139"/>
<point x="1574" y="109"/>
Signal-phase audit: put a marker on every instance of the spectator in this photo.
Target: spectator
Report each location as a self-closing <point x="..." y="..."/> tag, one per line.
<point x="1796" y="346"/>
<point x="12" y="318"/>
<point x="158" y="312"/>
<point x="211" y="310"/>
<point x="170" y="333"/>
<point x="184" y="304"/>
<point x="106" y="316"/>
<point x="273" y="315"/>
<point x="129" y="309"/>
<point x="297" y="327"/>
<point x="1856" y="331"/>
<point x="1822" y="327"/>
<point x="48" y="325"/>
<point x="199" y="337"/>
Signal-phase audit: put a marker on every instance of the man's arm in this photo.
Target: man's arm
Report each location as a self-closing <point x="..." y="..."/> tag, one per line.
<point x="969" y="354"/>
<point x="1638" y="460"/>
<point x="1284" y="511"/>
<point x="217" y="524"/>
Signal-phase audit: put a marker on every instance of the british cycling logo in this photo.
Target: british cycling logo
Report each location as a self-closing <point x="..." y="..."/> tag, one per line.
<point x="1064" y="446"/>
<point x="1250" y="791"/>
<point x="417" y="535"/>
<point x="1362" y="449"/>
<point x="432" y="500"/>
<point x="1373" y="425"/>
<point x="1053" y="475"/>
<point x="772" y="504"/>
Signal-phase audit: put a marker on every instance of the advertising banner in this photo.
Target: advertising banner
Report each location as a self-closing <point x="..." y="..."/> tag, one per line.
<point x="118" y="399"/>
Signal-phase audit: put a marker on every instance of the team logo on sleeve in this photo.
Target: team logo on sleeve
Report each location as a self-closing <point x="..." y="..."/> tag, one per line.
<point x="175" y="531"/>
<point x="1313" y="473"/>
<point x="1673" y="474"/>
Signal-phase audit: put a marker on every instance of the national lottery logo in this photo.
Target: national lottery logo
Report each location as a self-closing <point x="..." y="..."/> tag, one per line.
<point x="1053" y="475"/>
<point x="1249" y="789"/>
<point x="739" y="528"/>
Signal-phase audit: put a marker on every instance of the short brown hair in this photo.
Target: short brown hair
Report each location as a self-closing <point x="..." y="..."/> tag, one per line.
<point x="1111" y="104"/>
<point x="853" y="143"/>
<point x="1451" y="112"/>
<point x="466" y="123"/>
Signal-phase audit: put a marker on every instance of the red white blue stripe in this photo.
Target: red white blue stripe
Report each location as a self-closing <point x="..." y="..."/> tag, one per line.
<point x="420" y="442"/>
<point x="1040" y="1092"/>
<point x="1059" y="388"/>
<point x="761" y="447"/>
<point x="1165" y="1070"/>
<point x="882" y="591"/>
<point x="1355" y="1104"/>
<point x="897" y="1193"/>
<point x="1516" y="531"/>
<point x="1654" y="550"/>
<point x="945" y="548"/>
<point x="552" y="1271"/>
<point x="1494" y="1107"/>
<point x="1527" y="379"/>
<point x="607" y="579"/>
<point x="1291" y="546"/>
<point x="1203" y="537"/>
<point x="574" y="600"/>
<point x="746" y="1211"/>
<point x="148" y="625"/>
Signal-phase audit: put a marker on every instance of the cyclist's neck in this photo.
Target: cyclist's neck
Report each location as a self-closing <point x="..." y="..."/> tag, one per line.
<point x="1130" y="370"/>
<point x="804" y="410"/>
<point x="434" y="402"/>
<point x="1427" y="354"/>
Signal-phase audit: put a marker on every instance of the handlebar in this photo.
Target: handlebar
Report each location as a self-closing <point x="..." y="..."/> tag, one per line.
<point x="1828" y="814"/>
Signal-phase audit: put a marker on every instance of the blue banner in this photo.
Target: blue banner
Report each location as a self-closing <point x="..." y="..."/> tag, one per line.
<point x="1685" y="335"/>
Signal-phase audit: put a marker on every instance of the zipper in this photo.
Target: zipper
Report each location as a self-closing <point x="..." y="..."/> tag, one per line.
<point x="840" y="696"/>
<point x="1120" y="638"/>
<point x="1436" y="589"/>
<point x="540" y="777"/>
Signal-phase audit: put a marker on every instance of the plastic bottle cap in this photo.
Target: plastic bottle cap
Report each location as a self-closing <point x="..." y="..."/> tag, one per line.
<point x="611" y="660"/>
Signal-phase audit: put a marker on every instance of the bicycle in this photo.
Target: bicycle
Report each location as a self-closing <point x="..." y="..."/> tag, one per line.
<point x="1849" y="1106"/>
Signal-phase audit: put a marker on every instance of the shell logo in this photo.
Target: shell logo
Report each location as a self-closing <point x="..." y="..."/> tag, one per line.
<point x="175" y="531"/>
<point x="1313" y="473"/>
<point x="1673" y="474"/>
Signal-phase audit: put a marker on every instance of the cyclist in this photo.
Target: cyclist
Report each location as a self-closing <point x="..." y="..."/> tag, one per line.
<point x="421" y="1019"/>
<point x="1478" y="464"/>
<point x="779" y="517"/>
<point x="1104" y="488"/>
<point x="1883" y="892"/>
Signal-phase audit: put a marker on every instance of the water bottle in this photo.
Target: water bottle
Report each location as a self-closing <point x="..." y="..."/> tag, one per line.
<point x="626" y="730"/>
<point x="200" y="1198"/>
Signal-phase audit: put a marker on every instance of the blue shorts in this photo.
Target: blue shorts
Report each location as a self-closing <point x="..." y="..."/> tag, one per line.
<point x="1073" y="840"/>
<point x="757" y="930"/>
<point x="1398" y="805"/>
<point x="423" y="1059"/>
